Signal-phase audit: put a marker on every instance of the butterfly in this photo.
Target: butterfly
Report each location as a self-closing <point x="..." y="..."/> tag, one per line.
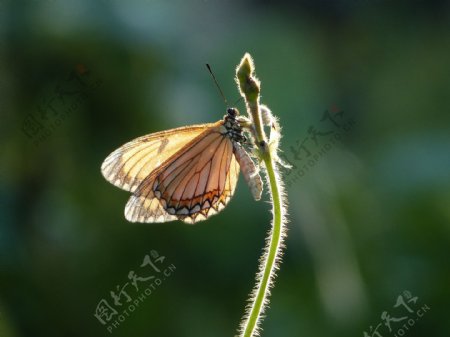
<point x="188" y="173"/>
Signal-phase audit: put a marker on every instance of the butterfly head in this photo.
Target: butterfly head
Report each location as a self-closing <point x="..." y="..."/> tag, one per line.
<point x="232" y="113"/>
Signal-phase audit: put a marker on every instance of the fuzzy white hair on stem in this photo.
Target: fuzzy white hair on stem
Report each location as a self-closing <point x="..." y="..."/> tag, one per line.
<point x="266" y="150"/>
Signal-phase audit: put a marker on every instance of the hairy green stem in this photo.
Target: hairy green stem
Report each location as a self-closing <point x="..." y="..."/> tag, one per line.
<point x="250" y="89"/>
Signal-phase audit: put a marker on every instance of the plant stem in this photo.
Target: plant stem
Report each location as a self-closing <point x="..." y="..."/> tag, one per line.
<point x="250" y="88"/>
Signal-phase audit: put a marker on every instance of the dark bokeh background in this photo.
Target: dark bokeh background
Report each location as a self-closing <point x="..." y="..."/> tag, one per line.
<point x="369" y="213"/>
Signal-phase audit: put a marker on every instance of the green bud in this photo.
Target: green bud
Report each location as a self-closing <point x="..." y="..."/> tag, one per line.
<point x="248" y="84"/>
<point x="245" y="68"/>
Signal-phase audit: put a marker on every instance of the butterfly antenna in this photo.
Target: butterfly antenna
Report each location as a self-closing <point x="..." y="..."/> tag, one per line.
<point x="217" y="83"/>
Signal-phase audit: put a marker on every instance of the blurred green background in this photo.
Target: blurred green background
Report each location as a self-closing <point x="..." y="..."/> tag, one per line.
<point x="369" y="204"/>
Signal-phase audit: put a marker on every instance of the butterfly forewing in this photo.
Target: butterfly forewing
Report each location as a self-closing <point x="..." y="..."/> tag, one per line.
<point x="130" y="164"/>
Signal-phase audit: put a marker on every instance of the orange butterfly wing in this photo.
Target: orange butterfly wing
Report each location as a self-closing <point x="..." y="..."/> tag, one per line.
<point x="193" y="184"/>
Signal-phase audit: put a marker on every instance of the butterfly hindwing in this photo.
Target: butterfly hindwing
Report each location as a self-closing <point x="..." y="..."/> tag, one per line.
<point x="230" y="186"/>
<point x="191" y="186"/>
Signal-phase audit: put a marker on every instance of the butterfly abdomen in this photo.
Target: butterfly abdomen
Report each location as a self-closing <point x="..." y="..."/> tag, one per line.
<point x="249" y="171"/>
